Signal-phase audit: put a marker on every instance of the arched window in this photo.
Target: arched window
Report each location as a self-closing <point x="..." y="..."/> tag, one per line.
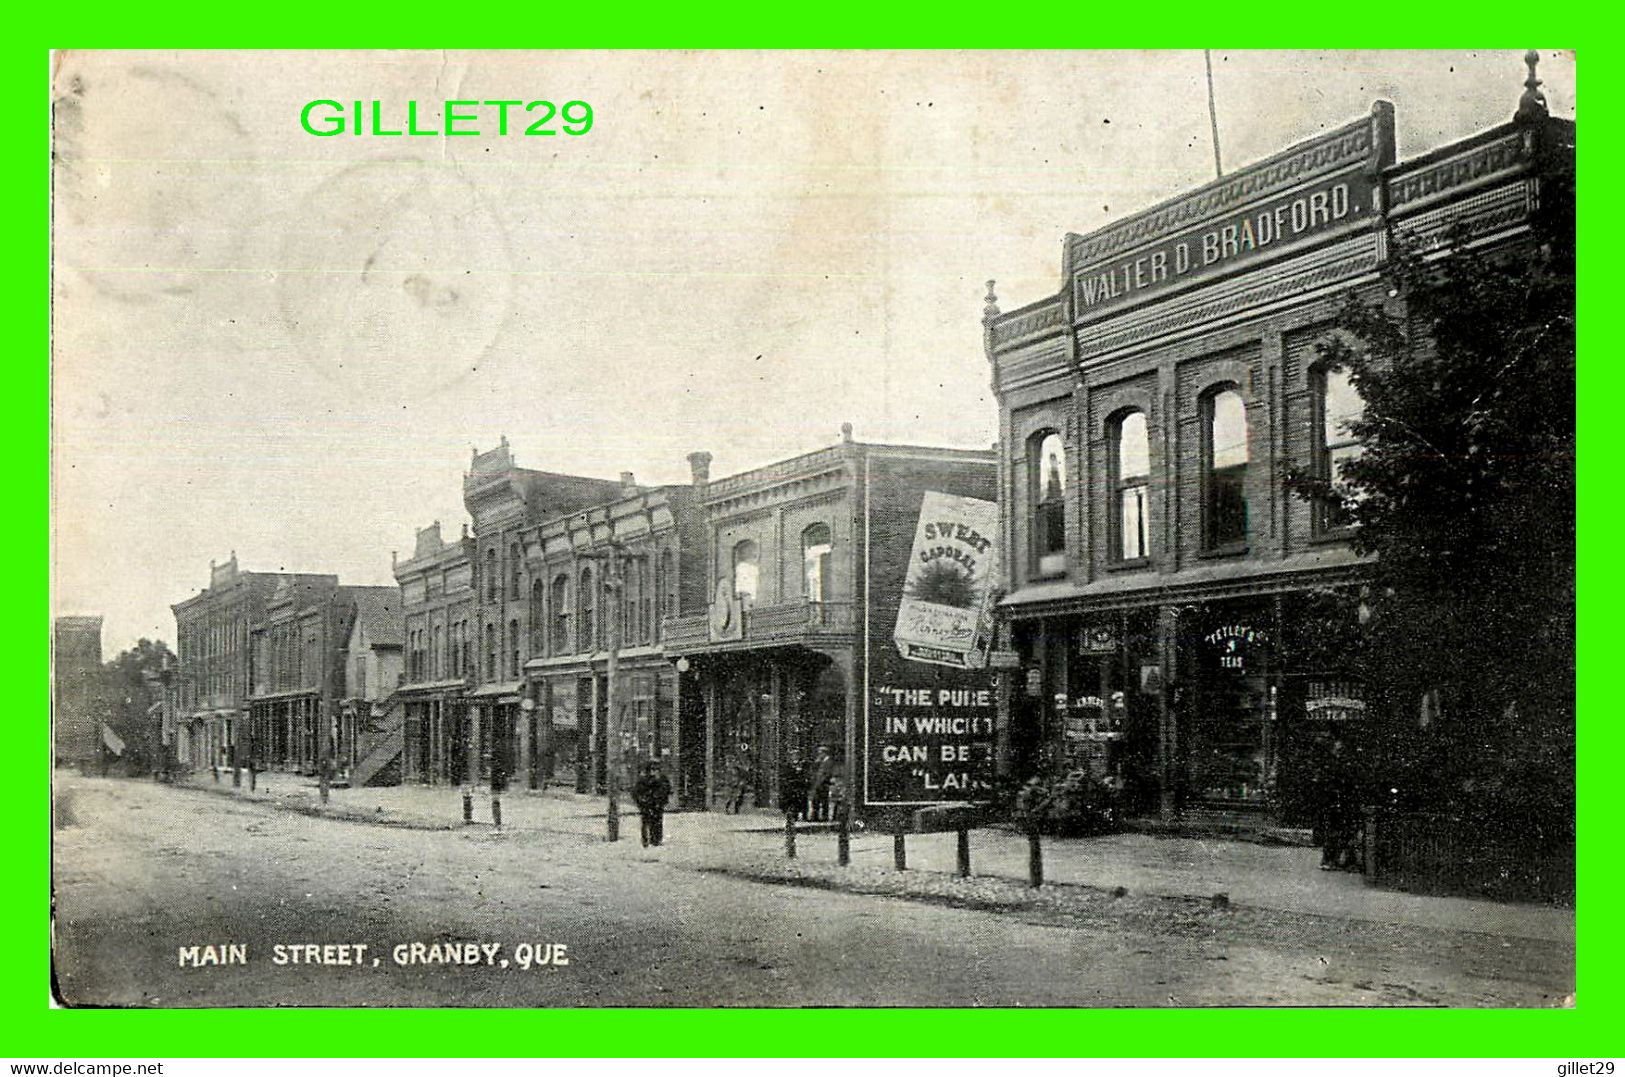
<point x="1131" y="482"/>
<point x="1048" y="483"/>
<point x="513" y="649"/>
<point x="587" y="637"/>
<point x="515" y="565"/>
<point x="490" y="652"/>
<point x="1337" y="404"/>
<point x="745" y="572"/>
<point x="815" y="551"/>
<point x="492" y="582"/>
<point x="1224" y="458"/>
<point x="561" y="614"/>
<point x="436" y="655"/>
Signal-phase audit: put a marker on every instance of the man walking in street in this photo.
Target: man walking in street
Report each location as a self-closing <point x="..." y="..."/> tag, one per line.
<point x="650" y="792"/>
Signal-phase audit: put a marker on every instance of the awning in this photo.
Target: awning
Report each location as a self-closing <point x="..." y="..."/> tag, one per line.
<point x="507" y="688"/>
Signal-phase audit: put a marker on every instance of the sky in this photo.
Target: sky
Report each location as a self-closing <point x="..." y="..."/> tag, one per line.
<point x="287" y="346"/>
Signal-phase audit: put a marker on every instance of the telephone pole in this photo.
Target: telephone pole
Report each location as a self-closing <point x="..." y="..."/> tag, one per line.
<point x="612" y="723"/>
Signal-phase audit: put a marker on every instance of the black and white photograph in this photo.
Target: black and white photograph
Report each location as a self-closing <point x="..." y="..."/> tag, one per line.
<point x="778" y="529"/>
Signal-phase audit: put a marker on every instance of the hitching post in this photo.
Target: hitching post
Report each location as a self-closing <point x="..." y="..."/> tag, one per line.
<point x="790" y="835"/>
<point x="899" y="851"/>
<point x="964" y="853"/>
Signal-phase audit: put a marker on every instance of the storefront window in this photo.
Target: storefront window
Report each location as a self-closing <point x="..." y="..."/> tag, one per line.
<point x="1225" y="452"/>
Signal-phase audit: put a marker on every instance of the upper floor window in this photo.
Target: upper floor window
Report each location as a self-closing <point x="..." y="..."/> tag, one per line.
<point x="513" y="648"/>
<point x="668" y="576"/>
<point x="1224" y="458"/>
<point x="1049" y="505"/>
<point x="1130" y="463"/>
<point x="490" y="652"/>
<point x="815" y="551"/>
<point x="538" y="617"/>
<point x="492" y="581"/>
<point x="587" y="640"/>
<point x="746" y="574"/>
<point x="515" y="565"/>
<point x="561" y="614"/>
<point x="645" y="601"/>
<point x="1338" y="405"/>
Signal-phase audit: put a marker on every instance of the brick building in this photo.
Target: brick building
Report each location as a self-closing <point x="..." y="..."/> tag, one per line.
<point x="437" y="604"/>
<point x="297" y="675"/>
<point x="650" y="539"/>
<point x="804" y="569"/>
<point x="486" y="738"/>
<point x="213" y="632"/>
<point x="76" y="671"/>
<point x="1167" y="594"/>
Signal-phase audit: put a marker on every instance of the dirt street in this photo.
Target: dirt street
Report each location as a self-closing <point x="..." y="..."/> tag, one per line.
<point x="145" y="873"/>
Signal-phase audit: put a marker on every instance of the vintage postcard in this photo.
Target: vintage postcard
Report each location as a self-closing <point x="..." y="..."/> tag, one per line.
<point x="780" y="529"/>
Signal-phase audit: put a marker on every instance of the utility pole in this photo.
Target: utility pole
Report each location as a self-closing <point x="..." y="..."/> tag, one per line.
<point x="324" y="720"/>
<point x="612" y="724"/>
<point x="1213" y="114"/>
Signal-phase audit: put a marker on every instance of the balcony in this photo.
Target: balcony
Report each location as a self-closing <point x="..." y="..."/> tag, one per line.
<point x="783" y="623"/>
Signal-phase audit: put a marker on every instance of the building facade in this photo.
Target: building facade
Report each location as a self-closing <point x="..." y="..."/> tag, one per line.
<point x="803" y="575"/>
<point x="76" y="669"/>
<point x="437" y="604"/>
<point x="1183" y="619"/>
<point x="213" y="640"/>
<point x="607" y="576"/>
<point x="298" y="676"/>
<point x="373" y="672"/>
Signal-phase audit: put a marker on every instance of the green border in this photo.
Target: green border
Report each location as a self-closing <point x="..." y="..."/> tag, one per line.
<point x="33" y="1030"/>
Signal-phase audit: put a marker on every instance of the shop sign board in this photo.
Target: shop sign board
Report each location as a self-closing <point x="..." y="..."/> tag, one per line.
<point x="1333" y="701"/>
<point x="1098" y="638"/>
<point x="944" y="615"/>
<point x="1235" y="644"/>
<point x="1323" y="188"/>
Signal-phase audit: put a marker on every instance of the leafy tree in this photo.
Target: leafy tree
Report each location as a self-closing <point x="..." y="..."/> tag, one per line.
<point x="1464" y="490"/>
<point x="132" y="683"/>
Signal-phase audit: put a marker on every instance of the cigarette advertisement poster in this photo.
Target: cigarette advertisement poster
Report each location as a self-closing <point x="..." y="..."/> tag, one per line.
<point x="943" y="614"/>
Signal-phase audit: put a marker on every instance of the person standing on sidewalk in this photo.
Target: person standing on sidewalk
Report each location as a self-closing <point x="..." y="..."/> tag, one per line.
<point x="650" y="792"/>
<point x="741" y="777"/>
<point x="823" y="772"/>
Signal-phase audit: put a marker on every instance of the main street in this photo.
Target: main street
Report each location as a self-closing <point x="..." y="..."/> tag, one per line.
<point x="143" y="873"/>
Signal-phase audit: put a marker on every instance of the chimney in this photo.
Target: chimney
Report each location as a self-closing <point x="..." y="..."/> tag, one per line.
<point x="846" y="433"/>
<point x="699" y="467"/>
<point x="627" y="482"/>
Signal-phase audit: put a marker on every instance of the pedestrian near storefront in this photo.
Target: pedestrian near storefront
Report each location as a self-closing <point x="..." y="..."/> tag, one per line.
<point x="651" y="792"/>
<point x="823" y="771"/>
<point x="740" y="777"/>
<point x="793" y="787"/>
<point x="1337" y="823"/>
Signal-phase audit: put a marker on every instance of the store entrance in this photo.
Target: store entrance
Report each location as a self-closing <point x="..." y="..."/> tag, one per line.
<point x="1230" y="708"/>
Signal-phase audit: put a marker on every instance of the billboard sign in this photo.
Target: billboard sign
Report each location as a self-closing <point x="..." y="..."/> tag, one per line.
<point x="944" y="616"/>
